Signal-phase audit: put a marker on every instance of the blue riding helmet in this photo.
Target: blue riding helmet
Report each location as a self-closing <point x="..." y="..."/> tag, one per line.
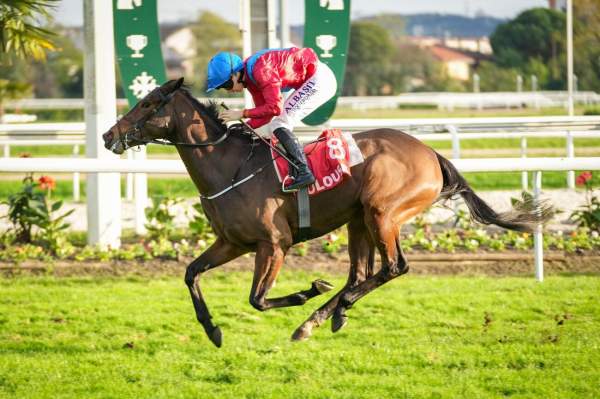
<point x="221" y="67"/>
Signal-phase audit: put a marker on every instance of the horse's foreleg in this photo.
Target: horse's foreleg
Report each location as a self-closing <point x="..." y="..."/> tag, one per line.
<point x="268" y="262"/>
<point x="361" y="251"/>
<point x="217" y="254"/>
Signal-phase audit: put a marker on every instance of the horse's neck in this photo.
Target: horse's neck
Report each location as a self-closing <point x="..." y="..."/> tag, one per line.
<point x="211" y="168"/>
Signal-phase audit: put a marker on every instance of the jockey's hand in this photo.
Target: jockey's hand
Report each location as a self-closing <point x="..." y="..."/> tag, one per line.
<point x="239" y="128"/>
<point x="228" y="115"/>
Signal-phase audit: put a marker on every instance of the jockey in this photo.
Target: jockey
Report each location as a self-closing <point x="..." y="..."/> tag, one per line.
<point x="266" y="74"/>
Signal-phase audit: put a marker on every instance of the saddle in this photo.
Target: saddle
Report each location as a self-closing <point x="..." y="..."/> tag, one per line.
<point x="329" y="158"/>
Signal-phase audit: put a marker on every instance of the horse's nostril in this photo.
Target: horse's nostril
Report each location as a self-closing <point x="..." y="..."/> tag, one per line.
<point x="108" y="136"/>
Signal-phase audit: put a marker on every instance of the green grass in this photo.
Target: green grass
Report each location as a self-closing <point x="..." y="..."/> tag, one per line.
<point x="417" y="337"/>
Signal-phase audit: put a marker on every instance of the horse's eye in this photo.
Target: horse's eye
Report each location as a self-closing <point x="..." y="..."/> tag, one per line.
<point x="145" y="104"/>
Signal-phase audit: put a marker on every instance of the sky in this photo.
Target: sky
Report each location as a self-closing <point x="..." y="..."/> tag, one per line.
<point x="69" y="12"/>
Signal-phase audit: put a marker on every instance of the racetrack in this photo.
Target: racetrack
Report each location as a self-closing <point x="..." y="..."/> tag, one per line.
<point x="418" y="336"/>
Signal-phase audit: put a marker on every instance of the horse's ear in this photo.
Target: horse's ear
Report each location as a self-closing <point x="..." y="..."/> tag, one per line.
<point x="178" y="84"/>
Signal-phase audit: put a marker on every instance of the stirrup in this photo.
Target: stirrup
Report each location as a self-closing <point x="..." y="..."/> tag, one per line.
<point x="283" y="184"/>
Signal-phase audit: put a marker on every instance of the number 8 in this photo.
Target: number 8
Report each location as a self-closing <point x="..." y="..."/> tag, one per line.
<point x="336" y="148"/>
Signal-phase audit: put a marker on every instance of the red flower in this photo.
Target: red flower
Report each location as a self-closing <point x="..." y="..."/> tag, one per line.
<point x="583" y="178"/>
<point x="47" y="182"/>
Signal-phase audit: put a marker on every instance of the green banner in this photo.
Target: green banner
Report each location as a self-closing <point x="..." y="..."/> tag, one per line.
<point x="327" y="31"/>
<point x="137" y="43"/>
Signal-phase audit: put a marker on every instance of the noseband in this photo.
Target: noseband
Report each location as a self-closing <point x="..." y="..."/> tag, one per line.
<point x="138" y="126"/>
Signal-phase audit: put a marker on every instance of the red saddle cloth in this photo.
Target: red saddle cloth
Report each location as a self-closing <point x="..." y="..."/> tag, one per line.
<point x="328" y="159"/>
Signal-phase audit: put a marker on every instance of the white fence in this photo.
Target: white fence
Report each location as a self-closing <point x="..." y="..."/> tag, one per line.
<point x="442" y="100"/>
<point x="446" y="129"/>
<point x="537" y="165"/>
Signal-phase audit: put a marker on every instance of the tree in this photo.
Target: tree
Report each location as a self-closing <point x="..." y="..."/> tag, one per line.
<point x="21" y="39"/>
<point x="535" y="33"/>
<point x="19" y="34"/>
<point x="534" y="39"/>
<point x="11" y="90"/>
<point x="495" y="78"/>
<point x="61" y="75"/>
<point x="586" y="38"/>
<point x="212" y="34"/>
<point x="534" y="43"/>
<point x="370" y="58"/>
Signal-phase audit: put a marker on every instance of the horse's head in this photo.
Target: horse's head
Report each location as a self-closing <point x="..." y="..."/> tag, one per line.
<point x="150" y="119"/>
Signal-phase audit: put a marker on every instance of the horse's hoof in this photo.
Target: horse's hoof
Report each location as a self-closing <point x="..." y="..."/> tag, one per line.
<point x="302" y="333"/>
<point x="322" y="286"/>
<point x="216" y="337"/>
<point x="338" y="321"/>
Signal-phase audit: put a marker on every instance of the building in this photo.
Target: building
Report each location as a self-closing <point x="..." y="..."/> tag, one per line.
<point x="471" y="44"/>
<point x="457" y="64"/>
<point x="178" y="50"/>
<point x="557" y="4"/>
<point x="459" y="55"/>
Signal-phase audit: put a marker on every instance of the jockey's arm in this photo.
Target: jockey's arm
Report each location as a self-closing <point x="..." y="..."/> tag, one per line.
<point x="268" y="104"/>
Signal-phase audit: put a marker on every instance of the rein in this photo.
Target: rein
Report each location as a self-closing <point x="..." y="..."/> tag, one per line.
<point x="164" y="100"/>
<point x="137" y="127"/>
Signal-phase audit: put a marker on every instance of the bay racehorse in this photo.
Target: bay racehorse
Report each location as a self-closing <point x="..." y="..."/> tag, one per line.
<point x="399" y="178"/>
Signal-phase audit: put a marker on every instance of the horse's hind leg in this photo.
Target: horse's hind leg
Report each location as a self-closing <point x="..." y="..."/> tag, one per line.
<point x="361" y="251"/>
<point x="385" y="231"/>
<point x="268" y="262"/>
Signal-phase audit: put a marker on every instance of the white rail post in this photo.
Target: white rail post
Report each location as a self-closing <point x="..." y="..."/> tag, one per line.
<point x="140" y="194"/>
<point x="271" y="25"/>
<point x="103" y="189"/>
<point x="524" y="174"/>
<point x="538" y="238"/>
<point x="6" y="150"/>
<point x="570" y="154"/>
<point x="129" y="180"/>
<point x="245" y="28"/>
<point x="284" y="27"/>
<point x="76" y="193"/>
<point x="455" y="141"/>
<point x="570" y="103"/>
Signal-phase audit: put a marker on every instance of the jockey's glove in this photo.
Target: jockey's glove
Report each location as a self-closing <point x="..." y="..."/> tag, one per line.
<point x="239" y="128"/>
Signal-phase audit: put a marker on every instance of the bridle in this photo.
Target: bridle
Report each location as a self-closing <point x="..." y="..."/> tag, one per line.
<point x="139" y="124"/>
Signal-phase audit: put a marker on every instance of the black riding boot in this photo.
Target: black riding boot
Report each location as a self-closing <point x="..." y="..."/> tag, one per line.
<point x="303" y="176"/>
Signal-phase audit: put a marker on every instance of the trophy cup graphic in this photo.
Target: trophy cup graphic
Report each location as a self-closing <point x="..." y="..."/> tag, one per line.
<point x="137" y="43"/>
<point x="332" y="5"/>
<point x="326" y="43"/>
<point x="128" y="4"/>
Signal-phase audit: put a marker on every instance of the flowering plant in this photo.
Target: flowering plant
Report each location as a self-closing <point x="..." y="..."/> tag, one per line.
<point x="161" y="218"/>
<point x="587" y="215"/>
<point x="30" y="208"/>
<point x="47" y="183"/>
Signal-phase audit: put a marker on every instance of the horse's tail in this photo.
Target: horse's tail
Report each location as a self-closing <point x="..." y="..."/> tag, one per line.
<point x="528" y="215"/>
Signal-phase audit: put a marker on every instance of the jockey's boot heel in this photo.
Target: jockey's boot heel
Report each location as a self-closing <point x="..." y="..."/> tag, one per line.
<point x="303" y="176"/>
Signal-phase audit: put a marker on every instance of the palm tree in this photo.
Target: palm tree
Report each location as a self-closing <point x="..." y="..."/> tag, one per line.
<point x="20" y="38"/>
<point x="19" y="35"/>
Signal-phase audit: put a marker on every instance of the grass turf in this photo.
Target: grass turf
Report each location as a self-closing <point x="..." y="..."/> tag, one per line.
<point x="417" y="337"/>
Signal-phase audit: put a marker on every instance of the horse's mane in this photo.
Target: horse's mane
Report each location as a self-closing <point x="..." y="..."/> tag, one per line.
<point x="210" y="110"/>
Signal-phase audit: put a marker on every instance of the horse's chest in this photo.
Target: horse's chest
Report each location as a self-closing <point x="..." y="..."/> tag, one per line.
<point x="244" y="223"/>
